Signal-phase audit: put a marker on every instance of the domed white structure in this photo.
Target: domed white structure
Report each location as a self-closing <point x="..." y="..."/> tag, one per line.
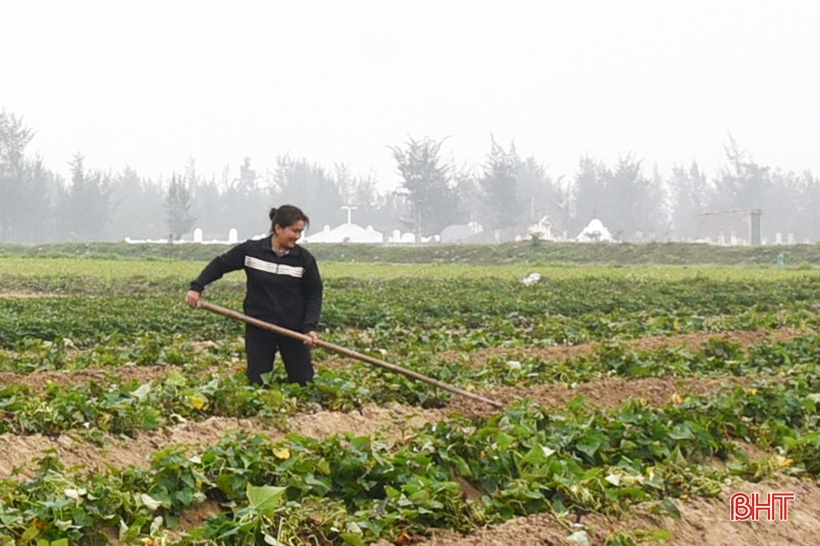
<point x="595" y="232"/>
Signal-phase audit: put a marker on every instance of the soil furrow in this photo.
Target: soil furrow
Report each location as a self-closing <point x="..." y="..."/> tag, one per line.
<point x="392" y="420"/>
<point x="743" y="338"/>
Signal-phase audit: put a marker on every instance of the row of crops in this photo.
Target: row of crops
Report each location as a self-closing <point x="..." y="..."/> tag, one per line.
<point x="88" y="331"/>
<point x="530" y="252"/>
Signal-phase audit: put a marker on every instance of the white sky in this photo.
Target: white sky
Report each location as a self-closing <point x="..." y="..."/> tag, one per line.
<point x="151" y="84"/>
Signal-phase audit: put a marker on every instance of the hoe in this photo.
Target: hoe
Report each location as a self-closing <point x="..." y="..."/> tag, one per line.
<point x="343" y="351"/>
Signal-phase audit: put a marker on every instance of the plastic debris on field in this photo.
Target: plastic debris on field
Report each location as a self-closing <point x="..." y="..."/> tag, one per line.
<point x="531" y="279"/>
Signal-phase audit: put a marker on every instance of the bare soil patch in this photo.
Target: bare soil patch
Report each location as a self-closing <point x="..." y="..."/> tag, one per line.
<point x="41" y="379"/>
<point x="27" y="294"/>
<point x="601" y="393"/>
<point x="703" y="522"/>
<point x="744" y="338"/>
<point x="392" y="422"/>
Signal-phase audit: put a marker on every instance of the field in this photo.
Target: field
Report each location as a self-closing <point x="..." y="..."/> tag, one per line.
<point x="637" y="399"/>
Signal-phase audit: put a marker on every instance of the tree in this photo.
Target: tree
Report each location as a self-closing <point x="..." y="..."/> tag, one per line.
<point x="427" y="185"/>
<point x="247" y="183"/>
<point x="742" y="184"/>
<point x="809" y="199"/>
<point x="622" y="192"/>
<point x="177" y="202"/>
<point x="137" y="204"/>
<point x="690" y="192"/>
<point x="14" y="137"/>
<point x="628" y="203"/>
<point x="467" y="183"/>
<point x="540" y="195"/>
<point x="635" y="203"/>
<point x="208" y="205"/>
<point x="245" y="203"/>
<point x="86" y="205"/>
<point x="589" y="193"/>
<point x="308" y="186"/>
<point x="38" y="188"/>
<point x="360" y="192"/>
<point x="785" y="209"/>
<point x="651" y="210"/>
<point x="499" y="185"/>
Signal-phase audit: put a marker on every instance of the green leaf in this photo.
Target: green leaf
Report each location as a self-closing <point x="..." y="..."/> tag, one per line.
<point x="353" y="539"/>
<point x="577" y="404"/>
<point x="537" y="455"/>
<point x="503" y="440"/>
<point x="225" y="484"/>
<point x="681" y="432"/>
<point x="590" y="444"/>
<point x="323" y="466"/>
<point x="319" y="486"/>
<point x="265" y="498"/>
<point x="175" y="378"/>
<point x="142" y="392"/>
<point x="150" y="502"/>
<point x="30" y="534"/>
<point x="671" y="508"/>
<point x="462" y="468"/>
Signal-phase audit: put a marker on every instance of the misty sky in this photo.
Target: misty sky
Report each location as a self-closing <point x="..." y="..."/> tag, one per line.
<point x="151" y="84"/>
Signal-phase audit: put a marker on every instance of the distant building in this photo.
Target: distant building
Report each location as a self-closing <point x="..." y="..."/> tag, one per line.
<point x="346" y="233"/>
<point x="542" y="229"/>
<point x="731" y="227"/>
<point x="460" y="233"/>
<point x="494" y="236"/>
<point x="474" y="233"/>
<point x="233" y="238"/>
<point x="402" y="238"/>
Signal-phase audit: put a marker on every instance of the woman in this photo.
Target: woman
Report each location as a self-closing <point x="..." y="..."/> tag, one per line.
<point x="283" y="287"/>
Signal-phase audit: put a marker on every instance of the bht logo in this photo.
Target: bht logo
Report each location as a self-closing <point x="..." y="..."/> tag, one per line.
<point x="743" y="507"/>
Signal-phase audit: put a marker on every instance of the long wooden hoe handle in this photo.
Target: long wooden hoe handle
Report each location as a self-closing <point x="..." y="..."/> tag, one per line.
<point x="341" y="350"/>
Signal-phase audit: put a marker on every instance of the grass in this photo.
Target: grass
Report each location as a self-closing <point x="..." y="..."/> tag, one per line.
<point x="118" y="269"/>
<point x="524" y="252"/>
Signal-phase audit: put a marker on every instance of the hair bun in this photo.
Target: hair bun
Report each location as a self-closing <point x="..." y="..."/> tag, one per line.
<point x="272" y="213"/>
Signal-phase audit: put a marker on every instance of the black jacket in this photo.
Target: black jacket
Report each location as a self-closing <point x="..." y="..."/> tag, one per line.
<point x="285" y="291"/>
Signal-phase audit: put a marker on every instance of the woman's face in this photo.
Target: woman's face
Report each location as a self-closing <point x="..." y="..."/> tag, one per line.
<point x="286" y="237"/>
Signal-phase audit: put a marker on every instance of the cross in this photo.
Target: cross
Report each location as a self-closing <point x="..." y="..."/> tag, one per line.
<point x="349" y="208"/>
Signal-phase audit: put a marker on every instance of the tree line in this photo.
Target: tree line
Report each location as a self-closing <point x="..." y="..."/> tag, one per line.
<point x="504" y="191"/>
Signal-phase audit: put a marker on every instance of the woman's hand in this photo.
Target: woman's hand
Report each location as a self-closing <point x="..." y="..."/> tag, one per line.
<point x="193" y="298"/>
<point x="313" y="338"/>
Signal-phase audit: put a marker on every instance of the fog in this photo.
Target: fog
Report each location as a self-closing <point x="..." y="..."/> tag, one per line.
<point x="643" y="114"/>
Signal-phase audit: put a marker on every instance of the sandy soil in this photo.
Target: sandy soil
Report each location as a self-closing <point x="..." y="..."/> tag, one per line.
<point x="705" y="521"/>
<point x="744" y="338"/>
<point x="390" y="421"/>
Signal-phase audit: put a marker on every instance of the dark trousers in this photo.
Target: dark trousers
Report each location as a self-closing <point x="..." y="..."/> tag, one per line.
<point x="261" y="346"/>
